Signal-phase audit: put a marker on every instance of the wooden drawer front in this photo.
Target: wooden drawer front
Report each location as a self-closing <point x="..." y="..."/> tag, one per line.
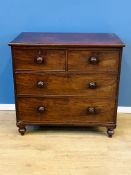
<point x="34" y="59"/>
<point x="92" y="61"/>
<point x="91" y="85"/>
<point x="65" y="110"/>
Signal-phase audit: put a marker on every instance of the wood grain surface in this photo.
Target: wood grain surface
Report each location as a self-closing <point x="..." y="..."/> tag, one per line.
<point x="79" y="61"/>
<point x="68" y="39"/>
<point x="64" y="151"/>
<point x="53" y="60"/>
<point x="66" y="84"/>
<point x="66" y="110"/>
<point x="69" y="79"/>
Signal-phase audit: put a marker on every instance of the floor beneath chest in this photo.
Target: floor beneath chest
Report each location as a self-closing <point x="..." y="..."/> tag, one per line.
<point x="64" y="151"/>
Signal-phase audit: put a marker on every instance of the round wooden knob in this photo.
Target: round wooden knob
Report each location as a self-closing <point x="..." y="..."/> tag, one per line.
<point x="91" y="110"/>
<point x="41" y="109"/>
<point x="92" y="85"/>
<point x="40" y="84"/>
<point x="93" y="60"/>
<point x="39" y="60"/>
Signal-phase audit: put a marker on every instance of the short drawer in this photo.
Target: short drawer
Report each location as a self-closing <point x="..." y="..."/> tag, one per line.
<point x="93" y="61"/>
<point x="68" y="110"/>
<point x="35" y="59"/>
<point x="91" y="85"/>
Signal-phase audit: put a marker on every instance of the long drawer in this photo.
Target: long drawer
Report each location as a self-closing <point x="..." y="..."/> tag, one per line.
<point x="67" y="110"/>
<point x="91" y="85"/>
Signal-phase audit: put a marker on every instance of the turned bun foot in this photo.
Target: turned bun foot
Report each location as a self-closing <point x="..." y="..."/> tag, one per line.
<point x="110" y="132"/>
<point x="22" y="130"/>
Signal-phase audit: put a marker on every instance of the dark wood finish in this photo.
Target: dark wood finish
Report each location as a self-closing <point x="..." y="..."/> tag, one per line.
<point x="93" y="60"/>
<point x="21" y="128"/>
<point x="110" y="132"/>
<point x="65" y="110"/>
<point x="66" y="84"/>
<point x="39" y="59"/>
<point x="101" y="60"/>
<point x="66" y="79"/>
<point x="68" y="39"/>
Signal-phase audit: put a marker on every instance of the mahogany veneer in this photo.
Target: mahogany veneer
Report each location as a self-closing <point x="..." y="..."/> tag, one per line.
<point x="66" y="79"/>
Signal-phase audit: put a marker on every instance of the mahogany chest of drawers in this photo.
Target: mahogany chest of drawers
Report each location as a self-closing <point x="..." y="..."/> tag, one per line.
<point x="66" y="79"/>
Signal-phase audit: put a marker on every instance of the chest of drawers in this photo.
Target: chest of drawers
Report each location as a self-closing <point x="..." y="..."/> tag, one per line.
<point x="66" y="79"/>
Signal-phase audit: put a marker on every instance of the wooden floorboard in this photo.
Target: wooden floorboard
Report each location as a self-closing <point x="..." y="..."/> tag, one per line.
<point x="68" y="151"/>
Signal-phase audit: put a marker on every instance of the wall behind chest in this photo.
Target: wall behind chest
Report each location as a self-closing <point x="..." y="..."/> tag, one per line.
<point x="63" y="16"/>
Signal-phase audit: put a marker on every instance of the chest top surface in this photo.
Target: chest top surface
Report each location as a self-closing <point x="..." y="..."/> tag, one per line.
<point x="67" y="39"/>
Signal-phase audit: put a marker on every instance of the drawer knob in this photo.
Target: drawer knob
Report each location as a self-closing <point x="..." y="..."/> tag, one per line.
<point x="92" y="85"/>
<point x="41" y="109"/>
<point x="40" y="84"/>
<point x="93" y="60"/>
<point x="39" y="60"/>
<point x="91" y="110"/>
